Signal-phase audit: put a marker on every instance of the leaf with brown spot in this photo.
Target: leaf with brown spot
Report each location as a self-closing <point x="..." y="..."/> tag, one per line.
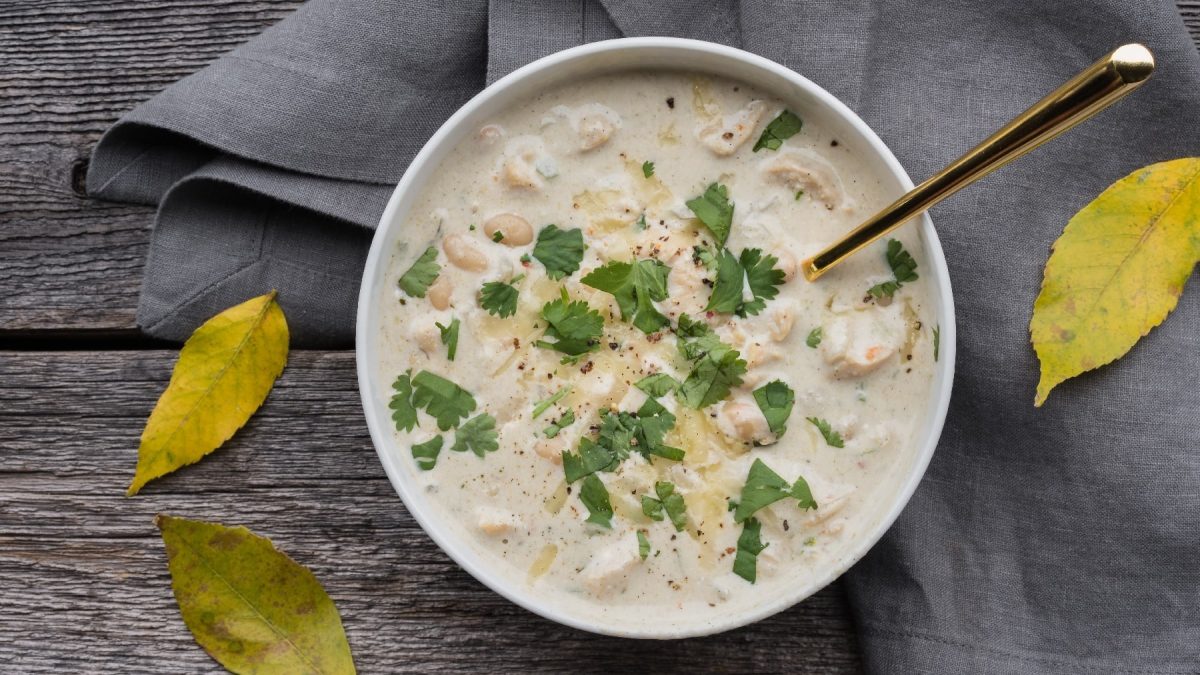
<point x="1117" y="270"/>
<point x="251" y="607"/>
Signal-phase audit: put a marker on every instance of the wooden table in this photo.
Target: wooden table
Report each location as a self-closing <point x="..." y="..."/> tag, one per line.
<point x="83" y="581"/>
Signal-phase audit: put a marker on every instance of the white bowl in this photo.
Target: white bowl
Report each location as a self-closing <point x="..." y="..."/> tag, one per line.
<point x="606" y="57"/>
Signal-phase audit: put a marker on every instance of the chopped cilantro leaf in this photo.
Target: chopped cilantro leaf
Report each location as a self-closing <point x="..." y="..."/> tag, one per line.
<point x="799" y="194"/>
<point x="647" y="169"/>
<point x="575" y="326"/>
<point x="636" y="286"/>
<point x="567" y="419"/>
<point x="403" y="412"/>
<point x="423" y="272"/>
<point x="814" y="337"/>
<point x="542" y="406"/>
<point x="498" y="236"/>
<point x="641" y="222"/>
<point x="749" y="545"/>
<point x="592" y="457"/>
<point x="937" y="341"/>
<point x="525" y="258"/>
<point x="904" y="270"/>
<point x="753" y="270"/>
<point x="426" y="453"/>
<point x="727" y="291"/>
<point x="832" y="437"/>
<point x="781" y="128"/>
<point x="622" y="432"/>
<point x="714" y="209"/>
<point x="499" y="298"/>
<point x="658" y="384"/>
<point x="560" y="251"/>
<point x="643" y="544"/>
<point x="449" y="337"/>
<point x="594" y="496"/>
<point x="668" y="501"/>
<point x="445" y="401"/>
<point x="764" y="487"/>
<point x="775" y="399"/>
<point x="477" y="434"/>
<point x="711" y="380"/>
<point x="703" y="256"/>
<point x="717" y="367"/>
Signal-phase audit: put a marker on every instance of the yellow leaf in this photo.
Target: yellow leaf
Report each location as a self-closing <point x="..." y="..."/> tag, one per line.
<point x="251" y="607"/>
<point x="1117" y="270"/>
<point x="224" y="373"/>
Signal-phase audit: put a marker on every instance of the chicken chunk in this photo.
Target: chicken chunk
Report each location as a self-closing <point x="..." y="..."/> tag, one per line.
<point x="802" y="169"/>
<point x="496" y="521"/>
<point x="743" y="420"/>
<point x="608" y="571"/>
<point x="726" y="134"/>
<point x="519" y="165"/>
<point x="857" y="343"/>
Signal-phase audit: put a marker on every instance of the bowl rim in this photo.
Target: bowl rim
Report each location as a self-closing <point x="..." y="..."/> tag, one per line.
<point x="367" y="371"/>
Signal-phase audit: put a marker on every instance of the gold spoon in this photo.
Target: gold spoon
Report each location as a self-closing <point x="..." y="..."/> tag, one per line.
<point x="1089" y="92"/>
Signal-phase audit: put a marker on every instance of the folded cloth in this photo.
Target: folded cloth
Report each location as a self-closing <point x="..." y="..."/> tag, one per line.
<point x="1060" y="539"/>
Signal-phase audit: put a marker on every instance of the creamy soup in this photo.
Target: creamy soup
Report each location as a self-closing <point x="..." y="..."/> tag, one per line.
<point x="611" y="380"/>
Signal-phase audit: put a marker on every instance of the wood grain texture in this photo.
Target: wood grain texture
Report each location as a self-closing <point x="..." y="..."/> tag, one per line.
<point x="83" y="580"/>
<point x="68" y="69"/>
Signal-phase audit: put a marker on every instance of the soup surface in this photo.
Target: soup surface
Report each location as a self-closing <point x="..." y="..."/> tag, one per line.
<point x="610" y="378"/>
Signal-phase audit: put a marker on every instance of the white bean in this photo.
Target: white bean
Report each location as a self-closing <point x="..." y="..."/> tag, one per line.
<point x="515" y="230"/>
<point x="463" y="255"/>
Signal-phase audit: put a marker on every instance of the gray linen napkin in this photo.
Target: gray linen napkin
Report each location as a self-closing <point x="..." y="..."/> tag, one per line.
<point x="1061" y="539"/>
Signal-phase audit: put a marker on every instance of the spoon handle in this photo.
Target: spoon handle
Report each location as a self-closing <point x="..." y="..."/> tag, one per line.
<point x="1089" y="92"/>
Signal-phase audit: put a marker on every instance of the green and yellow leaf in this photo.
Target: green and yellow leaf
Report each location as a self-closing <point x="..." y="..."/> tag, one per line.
<point x="251" y="607"/>
<point x="224" y="373"/>
<point x="1117" y="270"/>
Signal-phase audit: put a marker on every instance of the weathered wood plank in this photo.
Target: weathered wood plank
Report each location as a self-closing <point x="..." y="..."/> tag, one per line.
<point x="83" y="582"/>
<point x="69" y="69"/>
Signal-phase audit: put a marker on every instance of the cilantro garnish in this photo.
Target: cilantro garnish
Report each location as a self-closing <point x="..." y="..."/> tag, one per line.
<point x="449" y="337"/>
<point x="575" y="326"/>
<point x="592" y="457"/>
<point x="765" y="487"/>
<point x="560" y="251"/>
<point x="423" y="272"/>
<point x="703" y="256"/>
<point x="799" y="194"/>
<point x="814" y="337"/>
<point x="641" y="222"/>
<point x="781" y="128"/>
<point x="594" y="496"/>
<point x="636" y="286"/>
<point x="647" y="169"/>
<point x="668" y="501"/>
<point x="832" y="437"/>
<point x="904" y="270"/>
<point x="622" y="432"/>
<point x="542" y="406"/>
<point x="403" y="412"/>
<point x="500" y="298"/>
<point x="478" y="435"/>
<point x="775" y="399"/>
<point x="714" y="209"/>
<point x="937" y="340"/>
<point x="716" y="369"/>
<point x="445" y="401"/>
<point x="749" y="545"/>
<point x="498" y="236"/>
<point x="426" y="453"/>
<point x="643" y="544"/>
<point x="658" y="384"/>
<point x="567" y="419"/>
<point x="753" y="270"/>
